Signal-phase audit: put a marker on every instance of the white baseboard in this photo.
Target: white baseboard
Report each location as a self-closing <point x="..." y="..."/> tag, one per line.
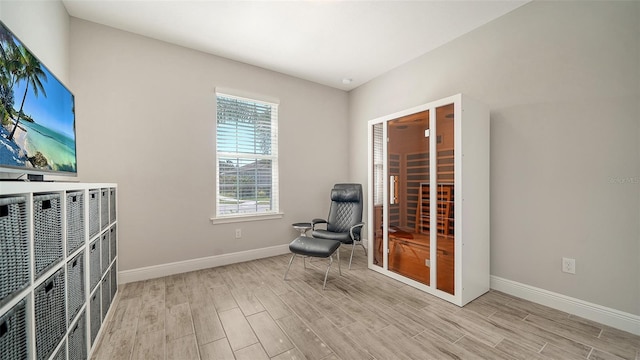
<point x="604" y="315"/>
<point x="156" y="271"/>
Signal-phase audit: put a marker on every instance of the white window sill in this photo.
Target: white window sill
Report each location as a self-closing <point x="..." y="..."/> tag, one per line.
<point x="245" y="217"/>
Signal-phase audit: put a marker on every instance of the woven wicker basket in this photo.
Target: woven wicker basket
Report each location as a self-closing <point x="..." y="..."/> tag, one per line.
<point x="94" y="264"/>
<point x="78" y="339"/>
<point x="13" y="333"/>
<point x="75" y="286"/>
<point x="47" y="232"/>
<point x="114" y="280"/>
<point x="62" y="352"/>
<point x="14" y="247"/>
<point x="112" y="243"/>
<point x="106" y="296"/>
<point x="112" y="205"/>
<point x="94" y="212"/>
<point x="51" y="324"/>
<point x="75" y="221"/>
<point x="95" y="315"/>
<point x="104" y="251"/>
<point x="104" y="208"/>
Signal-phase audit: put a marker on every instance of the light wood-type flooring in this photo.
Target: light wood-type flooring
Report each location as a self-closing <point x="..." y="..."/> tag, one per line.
<point x="247" y="311"/>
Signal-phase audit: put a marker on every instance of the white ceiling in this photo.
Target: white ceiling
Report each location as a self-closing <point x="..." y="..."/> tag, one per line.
<point x="321" y="41"/>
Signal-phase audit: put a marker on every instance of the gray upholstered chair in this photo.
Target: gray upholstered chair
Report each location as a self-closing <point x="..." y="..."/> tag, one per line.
<point x="345" y="217"/>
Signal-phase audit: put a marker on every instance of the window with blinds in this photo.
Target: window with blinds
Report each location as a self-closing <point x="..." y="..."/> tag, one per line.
<point x="247" y="156"/>
<point x="378" y="165"/>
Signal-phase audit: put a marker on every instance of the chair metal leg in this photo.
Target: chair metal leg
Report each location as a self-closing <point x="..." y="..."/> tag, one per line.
<point x="304" y="262"/>
<point x="327" y="273"/>
<point x="353" y="246"/>
<point x="289" y="267"/>
<point x="339" y="267"/>
<point x="363" y="248"/>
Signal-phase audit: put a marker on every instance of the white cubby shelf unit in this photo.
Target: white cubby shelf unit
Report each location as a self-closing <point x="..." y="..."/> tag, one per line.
<point x="58" y="267"/>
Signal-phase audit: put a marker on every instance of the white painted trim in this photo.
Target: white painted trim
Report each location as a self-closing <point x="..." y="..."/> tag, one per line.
<point x="247" y="95"/>
<point x="156" y="271"/>
<point x="602" y="314"/>
<point x="245" y="218"/>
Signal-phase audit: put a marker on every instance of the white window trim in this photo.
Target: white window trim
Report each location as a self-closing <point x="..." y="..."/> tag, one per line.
<point x="229" y="219"/>
<point x="267" y="215"/>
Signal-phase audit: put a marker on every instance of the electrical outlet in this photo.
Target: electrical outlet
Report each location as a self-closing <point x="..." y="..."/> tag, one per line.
<point x="569" y="265"/>
<point x="427" y="262"/>
<point x="238" y="233"/>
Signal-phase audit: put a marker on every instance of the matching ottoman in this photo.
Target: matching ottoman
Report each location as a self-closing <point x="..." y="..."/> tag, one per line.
<point x="320" y="248"/>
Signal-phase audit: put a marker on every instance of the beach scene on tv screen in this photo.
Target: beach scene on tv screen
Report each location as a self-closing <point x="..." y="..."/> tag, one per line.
<point x="36" y="112"/>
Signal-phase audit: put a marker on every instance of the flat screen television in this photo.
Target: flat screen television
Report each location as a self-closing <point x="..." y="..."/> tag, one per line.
<point x="37" y="114"/>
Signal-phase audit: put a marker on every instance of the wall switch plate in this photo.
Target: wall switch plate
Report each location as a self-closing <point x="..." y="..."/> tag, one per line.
<point x="238" y="233"/>
<point x="569" y="265"/>
<point x="427" y="262"/>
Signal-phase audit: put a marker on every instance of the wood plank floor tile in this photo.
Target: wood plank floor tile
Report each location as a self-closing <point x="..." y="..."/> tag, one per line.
<point x="554" y="352"/>
<point x="523" y="338"/>
<point x="149" y="346"/>
<point x="252" y="352"/>
<point x="473" y="345"/>
<point x="207" y="324"/>
<point x="481" y="308"/>
<point x="175" y="290"/>
<point x="248" y="308"/>
<point x="362" y="314"/>
<point x="178" y="321"/>
<point x="152" y="316"/>
<point x="222" y="298"/>
<point x="117" y="345"/>
<point x="516" y="349"/>
<point x="301" y="306"/>
<point x="523" y="327"/>
<point x="445" y="329"/>
<point x="601" y="355"/>
<point x="272" y="303"/>
<point x="442" y="349"/>
<point x="237" y="328"/>
<point x="212" y="277"/>
<point x="247" y="301"/>
<point x="184" y="348"/>
<point x="392" y="316"/>
<point x="217" y="350"/>
<point x="153" y="289"/>
<point x="374" y="342"/>
<point x="126" y="315"/>
<point x="293" y="354"/>
<point x="269" y="334"/>
<point x="564" y="326"/>
<point x="131" y="290"/>
<point x="342" y="345"/>
<point x="406" y="347"/>
<point x="333" y="311"/>
<point x="311" y="346"/>
<point x="198" y="295"/>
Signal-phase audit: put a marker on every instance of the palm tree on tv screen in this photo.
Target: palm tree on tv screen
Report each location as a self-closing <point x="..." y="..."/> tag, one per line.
<point x="10" y="63"/>
<point x="30" y="71"/>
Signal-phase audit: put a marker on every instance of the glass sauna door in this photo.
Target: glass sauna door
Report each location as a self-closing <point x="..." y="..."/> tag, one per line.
<point x="445" y="176"/>
<point x="409" y="217"/>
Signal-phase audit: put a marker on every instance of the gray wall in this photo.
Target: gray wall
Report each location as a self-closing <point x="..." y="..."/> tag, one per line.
<point x="43" y="26"/>
<point x="145" y="119"/>
<point x="562" y="80"/>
